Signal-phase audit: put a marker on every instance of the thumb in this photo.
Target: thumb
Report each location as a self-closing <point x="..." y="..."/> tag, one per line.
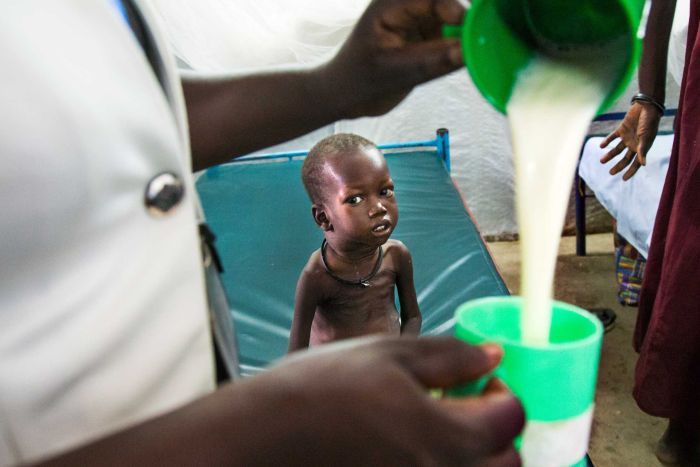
<point x="442" y="362"/>
<point x="642" y="152"/>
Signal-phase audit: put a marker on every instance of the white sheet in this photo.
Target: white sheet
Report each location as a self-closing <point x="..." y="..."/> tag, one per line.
<point x="634" y="202"/>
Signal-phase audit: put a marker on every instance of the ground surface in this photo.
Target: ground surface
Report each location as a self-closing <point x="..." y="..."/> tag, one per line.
<point x="622" y="435"/>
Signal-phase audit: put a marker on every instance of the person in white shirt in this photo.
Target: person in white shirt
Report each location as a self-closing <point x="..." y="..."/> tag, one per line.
<point x="106" y="353"/>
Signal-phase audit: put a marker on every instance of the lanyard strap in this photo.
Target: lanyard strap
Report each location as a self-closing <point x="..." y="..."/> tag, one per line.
<point x="119" y="6"/>
<point x="132" y="17"/>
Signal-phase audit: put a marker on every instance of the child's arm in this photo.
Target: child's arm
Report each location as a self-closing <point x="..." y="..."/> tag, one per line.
<point x="410" y="313"/>
<point x="305" y="302"/>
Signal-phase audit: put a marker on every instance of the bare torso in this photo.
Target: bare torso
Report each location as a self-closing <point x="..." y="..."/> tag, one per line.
<point x="352" y="310"/>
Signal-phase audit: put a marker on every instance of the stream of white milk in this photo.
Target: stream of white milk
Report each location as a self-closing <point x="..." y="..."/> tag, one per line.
<point x="550" y="110"/>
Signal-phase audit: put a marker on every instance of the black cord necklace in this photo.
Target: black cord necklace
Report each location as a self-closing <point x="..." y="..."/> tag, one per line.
<point x="361" y="282"/>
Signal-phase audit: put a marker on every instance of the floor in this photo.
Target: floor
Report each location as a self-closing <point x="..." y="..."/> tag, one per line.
<point x="622" y="435"/>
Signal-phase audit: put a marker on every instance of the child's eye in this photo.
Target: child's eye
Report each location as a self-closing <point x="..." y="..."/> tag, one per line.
<point x="388" y="192"/>
<point x="354" y="199"/>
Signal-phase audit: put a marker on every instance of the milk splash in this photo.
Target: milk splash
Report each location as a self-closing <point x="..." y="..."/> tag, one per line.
<point x="550" y="110"/>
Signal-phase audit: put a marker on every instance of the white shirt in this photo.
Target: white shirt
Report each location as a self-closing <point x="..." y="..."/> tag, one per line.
<point x="103" y="319"/>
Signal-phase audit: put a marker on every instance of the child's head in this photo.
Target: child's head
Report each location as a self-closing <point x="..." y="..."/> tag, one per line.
<point x="348" y="182"/>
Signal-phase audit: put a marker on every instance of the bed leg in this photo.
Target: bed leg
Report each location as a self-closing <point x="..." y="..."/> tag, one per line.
<point x="580" y="203"/>
<point x="443" y="147"/>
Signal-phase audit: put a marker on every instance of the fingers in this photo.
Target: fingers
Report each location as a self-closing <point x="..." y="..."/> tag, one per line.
<point x="397" y="22"/>
<point x="443" y="362"/>
<point x="404" y="14"/>
<point x="419" y="62"/>
<point x="500" y="418"/>
<point x="396" y="45"/>
<point x="642" y="152"/>
<point x="632" y="170"/>
<point x="632" y="160"/>
<point x="412" y="36"/>
<point x="509" y="457"/>
<point x="495" y="386"/>
<point x="614" y="152"/>
<point x="495" y="417"/>
<point x="642" y="157"/>
<point x="435" y="362"/>
<point x="449" y="11"/>
<point x="624" y="162"/>
<point x="609" y="139"/>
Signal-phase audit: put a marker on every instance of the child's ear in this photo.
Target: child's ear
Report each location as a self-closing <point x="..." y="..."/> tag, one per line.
<point x="321" y="218"/>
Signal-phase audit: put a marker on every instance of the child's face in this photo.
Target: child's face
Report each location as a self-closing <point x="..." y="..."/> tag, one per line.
<point x="359" y="202"/>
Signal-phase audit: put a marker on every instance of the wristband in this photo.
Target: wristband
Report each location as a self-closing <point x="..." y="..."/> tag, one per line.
<point x="641" y="97"/>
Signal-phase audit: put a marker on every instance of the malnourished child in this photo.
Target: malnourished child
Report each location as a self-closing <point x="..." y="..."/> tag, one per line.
<point x="347" y="287"/>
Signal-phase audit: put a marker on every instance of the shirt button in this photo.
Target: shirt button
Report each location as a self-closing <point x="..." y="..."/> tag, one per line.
<point x="163" y="193"/>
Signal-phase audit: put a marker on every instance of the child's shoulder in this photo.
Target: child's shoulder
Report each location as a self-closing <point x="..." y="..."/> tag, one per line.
<point x="314" y="265"/>
<point x="395" y="246"/>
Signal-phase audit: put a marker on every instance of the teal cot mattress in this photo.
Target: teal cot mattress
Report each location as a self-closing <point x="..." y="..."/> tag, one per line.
<point x="265" y="234"/>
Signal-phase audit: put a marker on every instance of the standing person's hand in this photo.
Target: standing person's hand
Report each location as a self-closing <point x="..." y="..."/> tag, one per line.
<point x="395" y="45"/>
<point x="355" y="402"/>
<point x="636" y="132"/>
<point x="369" y="404"/>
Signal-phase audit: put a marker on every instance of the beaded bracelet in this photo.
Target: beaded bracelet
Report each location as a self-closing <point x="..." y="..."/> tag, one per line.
<point x="641" y="97"/>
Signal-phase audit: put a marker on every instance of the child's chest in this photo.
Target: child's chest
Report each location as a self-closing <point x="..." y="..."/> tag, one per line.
<point x="376" y="293"/>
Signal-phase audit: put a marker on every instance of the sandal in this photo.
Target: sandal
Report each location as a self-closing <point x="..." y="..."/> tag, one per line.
<point x="606" y="316"/>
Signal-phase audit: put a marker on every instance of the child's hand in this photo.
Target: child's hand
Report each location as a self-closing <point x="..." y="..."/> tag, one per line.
<point x="364" y="402"/>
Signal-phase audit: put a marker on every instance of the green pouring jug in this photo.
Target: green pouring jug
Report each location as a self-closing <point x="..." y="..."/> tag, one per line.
<point x="500" y="37"/>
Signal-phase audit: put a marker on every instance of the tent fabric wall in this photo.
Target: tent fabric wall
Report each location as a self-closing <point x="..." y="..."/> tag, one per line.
<point x="243" y="35"/>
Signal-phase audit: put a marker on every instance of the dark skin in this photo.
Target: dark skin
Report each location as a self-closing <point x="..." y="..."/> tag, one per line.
<point x="368" y="405"/>
<point x="358" y="214"/>
<point x="362" y="403"/>
<point x="395" y="46"/>
<point x="640" y="125"/>
<point x="680" y="443"/>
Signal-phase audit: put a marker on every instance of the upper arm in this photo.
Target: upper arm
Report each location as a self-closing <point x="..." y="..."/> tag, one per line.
<point x="404" y="283"/>
<point x="305" y="301"/>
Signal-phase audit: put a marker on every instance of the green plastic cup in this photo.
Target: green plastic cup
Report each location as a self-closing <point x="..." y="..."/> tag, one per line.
<point x="555" y="382"/>
<point x="500" y="37"/>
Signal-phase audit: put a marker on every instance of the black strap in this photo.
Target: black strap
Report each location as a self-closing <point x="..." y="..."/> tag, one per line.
<point x="209" y="238"/>
<point x="143" y="35"/>
<point x="223" y="331"/>
<point x="361" y="282"/>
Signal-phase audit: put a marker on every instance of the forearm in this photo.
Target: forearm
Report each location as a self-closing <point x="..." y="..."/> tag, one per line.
<point x="411" y="326"/>
<point x="222" y="428"/>
<point x="296" y="342"/>
<point x="652" y="67"/>
<point x="393" y="47"/>
<point x="300" y="332"/>
<point x="237" y="114"/>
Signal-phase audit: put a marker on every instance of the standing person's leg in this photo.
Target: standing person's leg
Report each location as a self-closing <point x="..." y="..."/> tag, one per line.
<point x="667" y="333"/>
<point x="680" y="443"/>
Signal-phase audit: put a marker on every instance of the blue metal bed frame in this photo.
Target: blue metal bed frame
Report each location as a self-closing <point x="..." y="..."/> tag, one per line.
<point x="441" y="143"/>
